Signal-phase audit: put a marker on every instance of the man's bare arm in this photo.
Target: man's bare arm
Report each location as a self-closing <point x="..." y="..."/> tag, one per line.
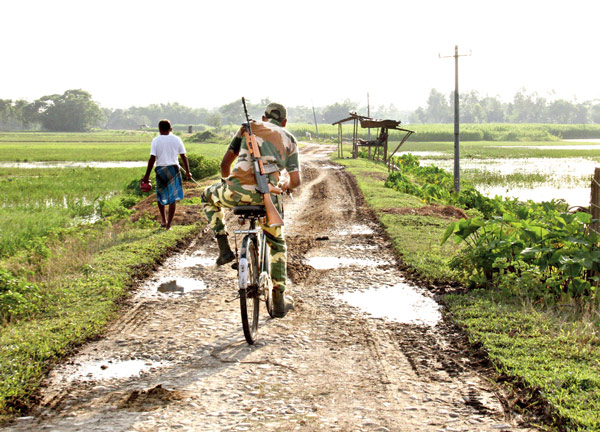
<point x="228" y="159"/>
<point x="186" y="165"/>
<point x="149" y="168"/>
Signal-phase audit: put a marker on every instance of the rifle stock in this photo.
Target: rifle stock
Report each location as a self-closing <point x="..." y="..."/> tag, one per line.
<point x="262" y="181"/>
<point x="263" y="186"/>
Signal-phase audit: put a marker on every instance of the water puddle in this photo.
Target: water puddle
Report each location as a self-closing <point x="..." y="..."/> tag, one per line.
<point x="557" y="147"/>
<point x="98" y="370"/>
<point x="584" y="140"/>
<point x="423" y="153"/>
<point x="362" y="247"/>
<point x="181" y="285"/>
<point x="552" y="167"/>
<point x="356" y="229"/>
<point x="194" y="261"/>
<point x="68" y="164"/>
<point x="333" y="167"/>
<point x="566" y="177"/>
<point x="399" y="303"/>
<point x="573" y="196"/>
<point x="328" y="263"/>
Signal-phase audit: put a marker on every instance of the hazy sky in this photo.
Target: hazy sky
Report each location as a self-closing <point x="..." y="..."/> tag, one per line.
<point x="208" y="53"/>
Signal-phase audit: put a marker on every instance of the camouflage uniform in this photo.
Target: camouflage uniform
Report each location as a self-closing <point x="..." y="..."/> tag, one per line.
<point x="277" y="146"/>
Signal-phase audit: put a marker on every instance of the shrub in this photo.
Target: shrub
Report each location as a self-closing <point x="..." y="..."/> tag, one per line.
<point x="17" y="297"/>
<point x="202" y="136"/>
<point x="202" y="167"/>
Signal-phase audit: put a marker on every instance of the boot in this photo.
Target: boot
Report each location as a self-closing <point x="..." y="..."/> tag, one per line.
<point x="282" y="303"/>
<point x="225" y="253"/>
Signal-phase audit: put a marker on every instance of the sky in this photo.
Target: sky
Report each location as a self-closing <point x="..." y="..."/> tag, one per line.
<point x="311" y="52"/>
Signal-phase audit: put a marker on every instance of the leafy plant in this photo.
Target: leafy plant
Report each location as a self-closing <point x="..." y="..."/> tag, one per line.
<point x="201" y="166"/>
<point x="17" y="297"/>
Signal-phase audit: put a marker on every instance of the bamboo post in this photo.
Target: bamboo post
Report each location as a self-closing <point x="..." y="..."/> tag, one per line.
<point x="340" y="149"/>
<point x="595" y="201"/>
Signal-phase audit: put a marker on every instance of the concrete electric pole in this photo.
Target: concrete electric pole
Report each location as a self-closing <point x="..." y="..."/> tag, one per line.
<point x="456" y="119"/>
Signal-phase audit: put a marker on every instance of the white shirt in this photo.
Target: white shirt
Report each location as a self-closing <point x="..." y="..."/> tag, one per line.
<point x="167" y="149"/>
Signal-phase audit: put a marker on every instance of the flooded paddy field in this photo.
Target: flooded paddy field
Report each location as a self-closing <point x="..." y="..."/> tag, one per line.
<point x="538" y="172"/>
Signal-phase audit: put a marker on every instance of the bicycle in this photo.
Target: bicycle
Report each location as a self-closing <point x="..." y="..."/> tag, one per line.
<point x="254" y="270"/>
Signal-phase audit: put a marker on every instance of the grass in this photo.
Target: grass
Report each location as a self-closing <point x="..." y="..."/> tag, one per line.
<point x="469" y="131"/>
<point x="103" y="146"/>
<point x="495" y="150"/>
<point x="36" y="201"/>
<point x="76" y="303"/>
<point x="414" y="238"/>
<point x="550" y="353"/>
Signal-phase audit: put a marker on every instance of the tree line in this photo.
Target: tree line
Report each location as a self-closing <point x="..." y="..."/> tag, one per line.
<point x="76" y="111"/>
<point x="524" y="108"/>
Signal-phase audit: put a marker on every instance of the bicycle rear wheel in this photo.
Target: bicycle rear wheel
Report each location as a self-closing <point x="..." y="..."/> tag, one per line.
<point x="249" y="288"/>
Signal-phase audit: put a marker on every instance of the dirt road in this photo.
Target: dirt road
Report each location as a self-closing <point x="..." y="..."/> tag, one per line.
<point x="177" y="359"/>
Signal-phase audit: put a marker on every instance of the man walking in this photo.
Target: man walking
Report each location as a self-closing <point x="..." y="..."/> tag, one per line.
<point x="165" y="150"/>
<point x="279" y="152"/>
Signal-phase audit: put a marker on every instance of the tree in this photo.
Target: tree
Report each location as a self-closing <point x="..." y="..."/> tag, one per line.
<point x="214" y="120"/>
<point x="338" y="111"/>
<point x="73" y="111"/>
<point x="438" y="109"/>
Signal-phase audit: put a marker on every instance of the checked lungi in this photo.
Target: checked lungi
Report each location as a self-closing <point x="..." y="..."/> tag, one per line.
<point x="169" y="188"/>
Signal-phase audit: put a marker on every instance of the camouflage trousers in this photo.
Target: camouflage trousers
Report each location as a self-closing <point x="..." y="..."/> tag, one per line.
<point x="219" y="196"/>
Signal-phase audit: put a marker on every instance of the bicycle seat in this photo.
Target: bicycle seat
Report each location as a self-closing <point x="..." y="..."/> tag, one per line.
<point x="250" y="211"/>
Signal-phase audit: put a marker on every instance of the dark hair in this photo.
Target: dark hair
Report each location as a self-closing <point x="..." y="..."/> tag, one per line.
<point x="164" y="125"/>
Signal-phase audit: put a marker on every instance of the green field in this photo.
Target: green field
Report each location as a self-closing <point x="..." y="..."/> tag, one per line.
<point x="469" y="132"/>
<point x="94" y="146"/>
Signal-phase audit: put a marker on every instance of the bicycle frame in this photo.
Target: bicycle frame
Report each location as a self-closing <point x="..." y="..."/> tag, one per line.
<point x="254" y="278"/>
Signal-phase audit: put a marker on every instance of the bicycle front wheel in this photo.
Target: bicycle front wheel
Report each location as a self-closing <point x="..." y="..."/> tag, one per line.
<point x="249" y="288"/>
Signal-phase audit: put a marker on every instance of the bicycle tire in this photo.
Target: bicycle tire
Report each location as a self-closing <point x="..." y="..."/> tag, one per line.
<point x="248" y="272"/>
<point x="265" y="280"/>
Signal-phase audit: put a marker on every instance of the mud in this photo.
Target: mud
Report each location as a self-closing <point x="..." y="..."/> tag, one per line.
<point x="328" y="365"/>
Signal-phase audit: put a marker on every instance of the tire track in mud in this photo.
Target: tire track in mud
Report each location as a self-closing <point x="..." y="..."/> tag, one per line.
<point x="326" y="366"/>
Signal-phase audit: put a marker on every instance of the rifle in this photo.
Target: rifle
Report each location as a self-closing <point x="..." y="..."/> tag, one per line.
<point x="262" y="180"/>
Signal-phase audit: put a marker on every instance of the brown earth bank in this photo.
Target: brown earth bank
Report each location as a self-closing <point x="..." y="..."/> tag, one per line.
<point x="176" y="359"/>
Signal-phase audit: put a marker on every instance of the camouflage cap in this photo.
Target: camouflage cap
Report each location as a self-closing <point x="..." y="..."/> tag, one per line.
<point x="276" y="112"/>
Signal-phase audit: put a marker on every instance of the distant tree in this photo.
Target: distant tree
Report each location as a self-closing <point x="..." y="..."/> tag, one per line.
<point x="527" y="108"/>
<point x="595" y="113"/>
<point x="73" y="111"/>
<point x="338" y="111"/>
<point x="562" y="111"/>
<point x="438" y="109"/>
<point x="125" y="120"/>
<point x="494" y="109"/>
<point x="214" y="120"/>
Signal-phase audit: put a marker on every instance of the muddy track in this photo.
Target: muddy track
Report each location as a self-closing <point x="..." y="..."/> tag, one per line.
<point x="177" y="359"/>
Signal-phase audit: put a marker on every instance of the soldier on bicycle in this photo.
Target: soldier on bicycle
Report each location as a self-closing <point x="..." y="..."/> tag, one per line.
<point x="279" y="150"/>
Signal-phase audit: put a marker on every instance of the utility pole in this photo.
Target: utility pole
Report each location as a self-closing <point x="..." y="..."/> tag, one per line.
<point x="456" y="119"/>
<point x="315" y="117"/>
<point x="369" y="113"/>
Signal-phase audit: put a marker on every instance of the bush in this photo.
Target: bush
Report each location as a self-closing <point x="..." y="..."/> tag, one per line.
<point x="17" y="297"/>
<point x="202" y="136"/>
<point x="202" y="167"/>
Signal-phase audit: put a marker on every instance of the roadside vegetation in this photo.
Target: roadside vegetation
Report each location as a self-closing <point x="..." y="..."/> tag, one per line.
<point x="70" y="249"/>
<point x="532" y="273"/>
<point x="482" y="132"/>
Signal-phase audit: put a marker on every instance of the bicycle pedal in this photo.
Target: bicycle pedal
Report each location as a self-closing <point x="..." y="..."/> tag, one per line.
<point x="234" y="266"/>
